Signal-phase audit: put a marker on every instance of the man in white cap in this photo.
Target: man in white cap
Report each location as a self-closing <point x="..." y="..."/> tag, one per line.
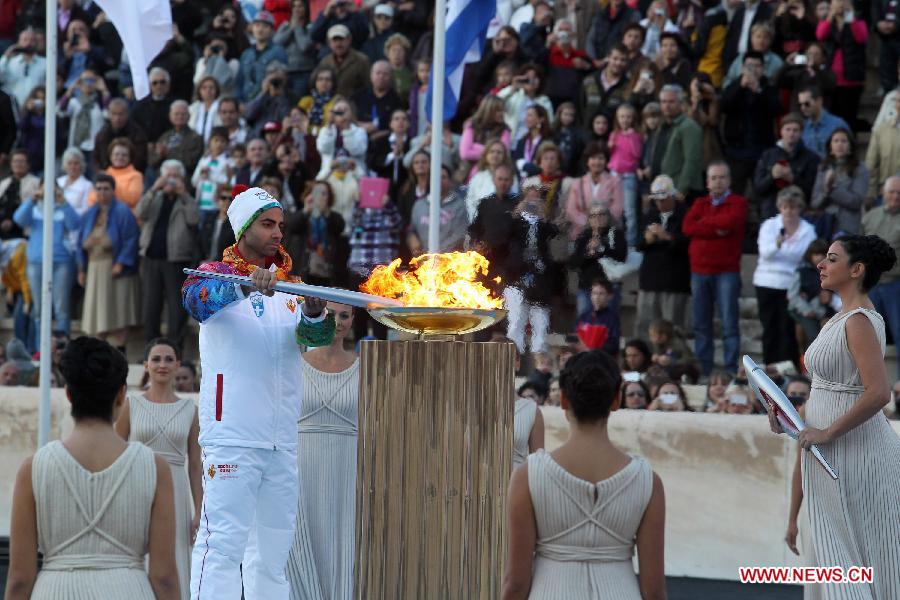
<point x="351" y="66"/>
<point x="250" y="399"/>
<point x="664" y="279"/>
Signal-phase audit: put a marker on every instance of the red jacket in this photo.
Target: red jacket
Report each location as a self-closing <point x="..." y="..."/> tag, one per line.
<point x="716" y="234"/>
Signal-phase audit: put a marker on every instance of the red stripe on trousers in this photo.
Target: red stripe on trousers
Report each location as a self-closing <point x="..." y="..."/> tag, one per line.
<point x="219" y="383"/>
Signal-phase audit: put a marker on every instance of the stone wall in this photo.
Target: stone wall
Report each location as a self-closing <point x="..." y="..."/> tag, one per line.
<point x="727" y="478"/>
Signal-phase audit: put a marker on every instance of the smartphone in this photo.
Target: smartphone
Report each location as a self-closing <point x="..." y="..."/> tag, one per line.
<point x="631" y="376"/>
<point x="646" y="75"/>
<point x="738" y="399"/>
<point x="800" y="59"/>
<point x="668" y="398"/>
<point x="781" y="233"/>
<point x="76" y="39"/>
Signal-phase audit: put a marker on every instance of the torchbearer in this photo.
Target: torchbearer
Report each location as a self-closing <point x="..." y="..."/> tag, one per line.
<point x="250" y="399"/>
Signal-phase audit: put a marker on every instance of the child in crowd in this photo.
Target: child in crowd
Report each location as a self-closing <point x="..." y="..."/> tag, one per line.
<point x="503" y="76"/>
<point x="716" y="399"/>
<point x="670" y="397"/>
<point x="238" y="158"/>
<point x="344" y="181"/>
<point x="636" y="358"/>
<point x="599" y="327"/>
<point x="808" y="304"/>
<point x="213" y="169"/>
<point x="625" y="148"/>
<point x="739" y="400"/>
<point x="13" y="264"/>
<point x="670" y="351"/>
<point x="569" y="137"/>
<point x="651" y="122"/>
<point x="543" y="369"/>
<point x="599" y="130"/>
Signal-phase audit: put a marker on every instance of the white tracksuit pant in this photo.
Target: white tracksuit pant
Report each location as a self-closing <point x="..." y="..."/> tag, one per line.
<point x="248" y="516"/>
<point x="521" y="313"/>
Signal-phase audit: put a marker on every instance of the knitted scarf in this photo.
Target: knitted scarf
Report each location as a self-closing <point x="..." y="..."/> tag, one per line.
<point x="282" y="263"/>
<point x="317" y="111"/>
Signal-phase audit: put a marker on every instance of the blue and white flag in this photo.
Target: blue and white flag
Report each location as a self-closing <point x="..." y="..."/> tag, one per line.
<point x="467" y="26"/>
<point x="144" y="27"/>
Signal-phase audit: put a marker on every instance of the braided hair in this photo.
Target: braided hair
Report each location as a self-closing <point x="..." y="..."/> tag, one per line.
<point x="590" y="383"/>
<point x="873" y="252"/>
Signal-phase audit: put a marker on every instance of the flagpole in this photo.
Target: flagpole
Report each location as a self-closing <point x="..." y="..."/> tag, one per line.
<point x="438" y="82"/>
<point x="49" y="206"/>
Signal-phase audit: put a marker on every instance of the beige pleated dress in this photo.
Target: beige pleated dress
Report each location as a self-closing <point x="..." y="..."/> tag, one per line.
<point x="854" y="520"/>
<point x="321" y="561"/>
<point x="110" y="303"/>
<point x="523" y="422"/>
<point x="164" y="428"/>
<point x="93" y="528"/>
<point x="586" y="531"/>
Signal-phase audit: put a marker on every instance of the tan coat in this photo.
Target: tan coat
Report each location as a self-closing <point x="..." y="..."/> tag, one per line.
<point x="883" y="156"/>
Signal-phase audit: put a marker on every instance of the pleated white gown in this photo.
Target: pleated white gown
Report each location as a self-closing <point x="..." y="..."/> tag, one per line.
<point x="854" y="520"/>
<point x="320" y="566"/>
<point x="585" y="531"/>
<point x="93" y="528"/>
<point x="164" y="428"/>
<point x="523" y="422"/>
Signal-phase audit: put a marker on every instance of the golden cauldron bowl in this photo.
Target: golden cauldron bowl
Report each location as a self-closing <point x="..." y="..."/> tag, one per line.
<point x="423" y="321"/>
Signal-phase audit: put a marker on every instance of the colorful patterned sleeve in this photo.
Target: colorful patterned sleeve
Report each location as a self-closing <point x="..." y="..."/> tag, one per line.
<point x="202" y="298"/>
<point x="313" y="334"/>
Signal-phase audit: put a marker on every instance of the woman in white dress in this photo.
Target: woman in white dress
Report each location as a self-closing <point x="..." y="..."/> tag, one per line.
<point x="528" y="423"/>
<point x="853" y="520"/>
<point x="577" y="513"/>
<point x="93" y="504"/>
<point x="168" y="425"/>
<point x="321" y="561"/>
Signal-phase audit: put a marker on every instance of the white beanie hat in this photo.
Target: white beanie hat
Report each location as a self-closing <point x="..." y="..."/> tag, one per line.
<point x="248" y="204"/>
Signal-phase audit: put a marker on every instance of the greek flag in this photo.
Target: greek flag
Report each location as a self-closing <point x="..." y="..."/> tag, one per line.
<point x="145" y="27"/>
<point x="467" y="26"/>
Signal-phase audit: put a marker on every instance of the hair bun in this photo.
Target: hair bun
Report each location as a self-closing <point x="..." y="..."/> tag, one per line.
<point x="883" y="257"/>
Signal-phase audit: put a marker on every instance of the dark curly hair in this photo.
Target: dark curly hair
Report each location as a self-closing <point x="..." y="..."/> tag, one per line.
<point x="590" y="383"/>
<point x="873" y="252"/>
<point x="95" y="374"/>
<point x="161" y="341"/>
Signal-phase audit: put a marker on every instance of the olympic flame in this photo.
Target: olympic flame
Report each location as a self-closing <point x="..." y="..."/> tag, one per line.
<point x="436" y="280"/>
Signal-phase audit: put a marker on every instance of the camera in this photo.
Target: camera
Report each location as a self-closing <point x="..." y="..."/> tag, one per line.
<point x="218" y="49"/>
<point x="277" y="82"/>
<point x="800" y="59"/>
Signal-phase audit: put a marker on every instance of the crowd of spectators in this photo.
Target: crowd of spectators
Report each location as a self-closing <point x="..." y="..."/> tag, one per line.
<point x="593" y="142"/>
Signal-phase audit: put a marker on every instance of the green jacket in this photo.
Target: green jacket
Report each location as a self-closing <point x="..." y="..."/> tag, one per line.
<point x="683" y="159"/>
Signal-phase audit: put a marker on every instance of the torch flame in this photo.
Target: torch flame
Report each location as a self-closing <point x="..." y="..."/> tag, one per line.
<point x="436" y="280"/>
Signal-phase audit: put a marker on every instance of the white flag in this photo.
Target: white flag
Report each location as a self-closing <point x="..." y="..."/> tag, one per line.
<point x="144" y="27"/>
